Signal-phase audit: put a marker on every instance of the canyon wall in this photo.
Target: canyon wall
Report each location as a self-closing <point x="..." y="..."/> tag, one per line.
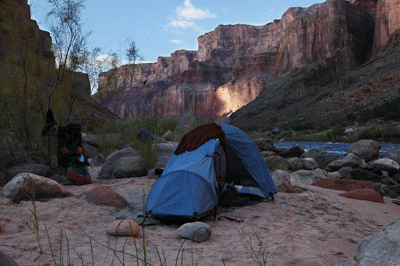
<point x="235" y="63"/>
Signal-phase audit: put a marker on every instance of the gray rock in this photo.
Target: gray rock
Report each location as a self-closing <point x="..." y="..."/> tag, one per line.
<point x="322" y="157"/>
<point x="334" y="175"/>
<point x="380" y="249"/>
<point x="302" y="164"/>
<point x="276" y="163"/>
<point x="196" y="231"/>
<point x="37" y="169"/>
<point x="129" y="167"/>
<point x="266" y="154"/>
<point x="19" y="188"/>
<point x="295" y="151"/>
<point x="345" y="171"/>
<point x="6" y="260"/>
<point x="164" y="152"/>
<point x="308" y="177"/>
<point x="349" y="160"/>
<point x="108" y="166"/>
<point x="361" y="174"/>
<point x="365" y="149"/>
<point x="190" y="118"/>
<point x="168" y="135"/>
<point x="181" y="130"/>
<point x="265" y="144"/>
<point x="384" y="164"/>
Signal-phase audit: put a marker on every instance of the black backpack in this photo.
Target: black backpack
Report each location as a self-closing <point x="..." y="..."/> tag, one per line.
<point x="70" y="146"/>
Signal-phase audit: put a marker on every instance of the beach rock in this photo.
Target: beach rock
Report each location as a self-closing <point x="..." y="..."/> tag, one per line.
<point x="37" y="169"/>
<point x="266" y="154"/>
<point x="384" y="164"/>
<point x="282" y="181"/>
<point x="346" y="172"/>
<point x="308" y="177"/>
<point x="334" y="175"/>
<point x="123" y="227"/>
<point x="380" y="248"/>
<point x="96" y="161"/>
<point x="360" y="174"/>
<point x="365" y="149"/>
<point x="394" y="191"/>
<point x="19" y="188"/>
<point x="393" y="154"/>
<point x="364" y="194"/>
<point x="129" y="167"/>
<point x="265" y="144"/>
<point x="276" y="163"/>
<point x="302" y="164"/>
<point x="108" y="167"/>
<point x="96" y="139"/>
<point x="295" y="151"/>
<point x="196" y="231"/>
<point x="103" y="195"/>
<point x="164" y="152"/>
<point x="181" y="130"/>
<point x="6" y="260"/>
<point x="349" y="160"/>
<point x="345" y="184"/>
<point x="168" y="135"/>
<point x="322" y="157"/>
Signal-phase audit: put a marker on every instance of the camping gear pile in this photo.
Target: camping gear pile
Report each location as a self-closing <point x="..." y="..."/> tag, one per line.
<point x="213" y="164"/>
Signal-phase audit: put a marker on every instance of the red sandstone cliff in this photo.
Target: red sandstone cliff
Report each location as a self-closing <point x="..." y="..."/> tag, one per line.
<point x="387" y="23"/>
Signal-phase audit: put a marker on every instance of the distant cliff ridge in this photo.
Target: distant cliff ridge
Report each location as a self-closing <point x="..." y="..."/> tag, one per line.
<point x="235" y="63"/>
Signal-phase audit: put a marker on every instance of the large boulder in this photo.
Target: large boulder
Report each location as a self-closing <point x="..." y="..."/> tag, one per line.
<point x="365" y="149"/>
<point x="322" y="157"/>
<point x="23" y="186"/>
<point x="380" y="248"/>
<point x="393" y="154"/>
<point x="104" y="195"/>
<point x="282" y="181"/>
<point x="361" y="174"/>
<point x="265" y="144"/>
<point x="308" y="177"/>
<point x="129" y="167"/>
<point x="276" y="163"/>
<point x="349" y="160"/>
<point x="108" y="166"/>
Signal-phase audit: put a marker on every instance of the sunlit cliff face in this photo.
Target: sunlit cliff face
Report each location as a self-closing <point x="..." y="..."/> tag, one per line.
<point x="231" y="97"/>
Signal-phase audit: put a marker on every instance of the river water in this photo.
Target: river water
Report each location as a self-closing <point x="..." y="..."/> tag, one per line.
<point x="332" y="147"/>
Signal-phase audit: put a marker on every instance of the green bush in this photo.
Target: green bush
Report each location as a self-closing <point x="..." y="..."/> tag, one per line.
<point x="391" y="133"/>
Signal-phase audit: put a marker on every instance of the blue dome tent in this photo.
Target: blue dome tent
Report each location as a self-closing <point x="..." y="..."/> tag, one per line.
<point x="190" y="184"/>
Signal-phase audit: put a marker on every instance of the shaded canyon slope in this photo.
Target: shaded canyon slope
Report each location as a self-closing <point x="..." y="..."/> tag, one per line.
<point x="329" y="89"/>
<point x="290" y="69"/>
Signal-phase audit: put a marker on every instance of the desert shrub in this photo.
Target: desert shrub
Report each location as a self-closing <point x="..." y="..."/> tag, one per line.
<point x="372" y="132"/>
<point x="335" y="132"/>
<point x="391" y="133"/>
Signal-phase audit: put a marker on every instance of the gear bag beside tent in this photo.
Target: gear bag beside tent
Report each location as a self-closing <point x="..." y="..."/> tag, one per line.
<point x="196" y="173"/>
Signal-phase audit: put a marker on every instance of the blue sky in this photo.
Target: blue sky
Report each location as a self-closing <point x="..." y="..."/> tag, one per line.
<point x="160" y="27"/>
